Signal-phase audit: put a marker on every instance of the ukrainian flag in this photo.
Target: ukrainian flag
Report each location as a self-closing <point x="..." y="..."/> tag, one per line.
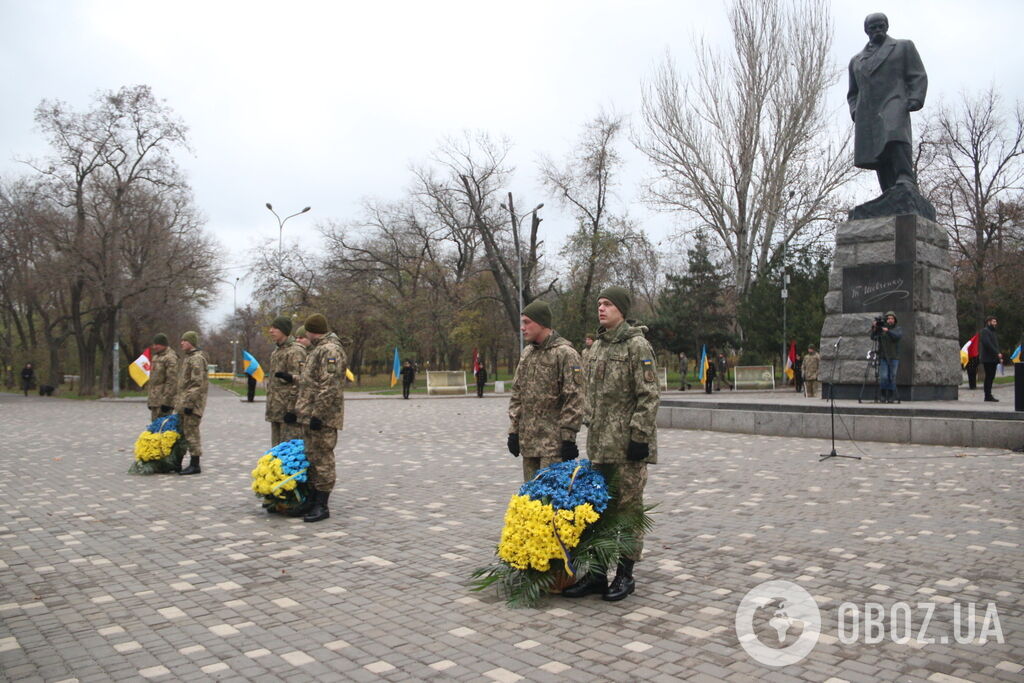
<point x="1015" y="356"/>
<point x="702" y="373"/>
<point x="396" y="369"/>
<point x="251" y="366"/>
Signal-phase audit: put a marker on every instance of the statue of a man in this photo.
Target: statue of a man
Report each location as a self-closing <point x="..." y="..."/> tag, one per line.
<point x="887" y="82"/>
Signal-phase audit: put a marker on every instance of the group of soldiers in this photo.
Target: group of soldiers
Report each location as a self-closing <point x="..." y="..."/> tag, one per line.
<point x="612" y="389"/>
<point x="305" y="398"/>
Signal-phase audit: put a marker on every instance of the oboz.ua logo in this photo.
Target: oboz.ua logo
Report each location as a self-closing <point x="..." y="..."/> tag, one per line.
<point x="778" y="623"/>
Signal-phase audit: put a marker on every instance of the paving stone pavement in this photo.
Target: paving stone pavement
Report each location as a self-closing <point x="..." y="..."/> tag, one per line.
<point x="107" y="576"/>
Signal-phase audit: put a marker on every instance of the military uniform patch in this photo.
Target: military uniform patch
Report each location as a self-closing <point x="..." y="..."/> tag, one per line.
<point x="332" y="365"/>
<point x="648" y="369"/>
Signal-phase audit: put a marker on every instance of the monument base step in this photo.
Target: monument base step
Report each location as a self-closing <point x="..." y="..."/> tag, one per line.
<point x="975" y="428"/>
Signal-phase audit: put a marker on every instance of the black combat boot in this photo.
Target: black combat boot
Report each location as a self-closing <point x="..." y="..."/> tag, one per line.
<point x="623" y="584"/>
<point x="319" y="510"/>
<point x="193" y="466"/>
<point x="596" y="582"/>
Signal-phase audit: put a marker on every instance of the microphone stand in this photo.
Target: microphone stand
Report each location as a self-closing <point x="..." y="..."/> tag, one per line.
<point x="832" y="407"/>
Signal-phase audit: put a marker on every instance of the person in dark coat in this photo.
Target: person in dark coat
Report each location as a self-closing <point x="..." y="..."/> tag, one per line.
<point x="408" y="377"/>
<point x="989" y="355"/>
<point x="709" y="377"/>
<point x="887" y="82"/>
<point x="481" y="379"/>
<point x="28" y="378"/>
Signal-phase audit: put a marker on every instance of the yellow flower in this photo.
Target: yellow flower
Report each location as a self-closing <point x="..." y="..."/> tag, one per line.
<point x="529" y="538"/>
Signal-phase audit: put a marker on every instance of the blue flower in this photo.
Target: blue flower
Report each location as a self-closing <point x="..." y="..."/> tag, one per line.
<point x="163" y="424"/>
<point x="552" y="485"/>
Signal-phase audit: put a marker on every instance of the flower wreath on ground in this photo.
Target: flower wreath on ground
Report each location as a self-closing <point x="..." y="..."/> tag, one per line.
<point x="280" y="477"/>
<point x="558" y="527"/>
<point x="160" y="448"/>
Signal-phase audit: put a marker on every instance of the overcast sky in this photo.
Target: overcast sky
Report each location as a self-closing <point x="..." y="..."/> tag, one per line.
<point x="325" y="103"/>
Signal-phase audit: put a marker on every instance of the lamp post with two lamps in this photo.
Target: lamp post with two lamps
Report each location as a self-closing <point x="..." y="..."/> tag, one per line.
<point x="280" y="235"/>
<point x="517" y="242"/>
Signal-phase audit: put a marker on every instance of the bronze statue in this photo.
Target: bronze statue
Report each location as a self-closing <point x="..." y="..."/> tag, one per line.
<point x="887" y="82"/>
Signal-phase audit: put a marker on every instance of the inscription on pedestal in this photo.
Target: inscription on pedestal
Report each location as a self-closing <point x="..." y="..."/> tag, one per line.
<point x="878" y="288"/>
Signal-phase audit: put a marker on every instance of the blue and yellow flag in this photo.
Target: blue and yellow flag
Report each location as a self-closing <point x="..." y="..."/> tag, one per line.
<point x="396" y="369"/>
<point x="251" y="366"/>
<point x="702" y="373"/>
<point x="1015" y="356"/>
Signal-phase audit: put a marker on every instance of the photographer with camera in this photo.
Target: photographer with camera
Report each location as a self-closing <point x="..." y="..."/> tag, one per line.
<point x="887" y="333"/>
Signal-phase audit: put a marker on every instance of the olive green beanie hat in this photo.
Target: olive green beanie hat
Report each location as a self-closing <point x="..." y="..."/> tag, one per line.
<point x="317" y="324"/>
<point x="282" y="323"/>
<point x="539" y="312"/>
<point x="618" y="296"/>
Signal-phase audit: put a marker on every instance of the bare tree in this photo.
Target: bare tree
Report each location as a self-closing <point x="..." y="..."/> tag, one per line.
<point x="584" y="183"/>
<point x="730" y="144"/>
<point x="474" y="171"/>
<point x="106" y="163"/>
<point x="971" y="166"/>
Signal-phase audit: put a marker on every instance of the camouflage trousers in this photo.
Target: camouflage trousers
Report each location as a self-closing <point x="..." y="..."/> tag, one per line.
<point x="532" y="465"/>
<point x="190" y="432"/>
<point x="320" y="445"/>
<point x="630" y="479"/>
<point x="282" y="431"/>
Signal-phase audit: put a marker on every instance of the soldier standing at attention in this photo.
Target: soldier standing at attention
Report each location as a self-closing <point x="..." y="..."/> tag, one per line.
<point x="321" y="407"/>
<point x="163" y="378"/>
<point x="282" y="389"/>
<point x="622" y="393"/>
<point x="193" y="383"/>
<point x="546" y="407"/>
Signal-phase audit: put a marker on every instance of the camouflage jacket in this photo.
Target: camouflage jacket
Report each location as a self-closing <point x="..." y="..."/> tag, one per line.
<point x="811" y="364"/>
<point x="321" y="392"/>
<point x="163" y="379"/>
<point x="289" y="356"/>
<point x="546" y="407"/>
<point x="622" y="394"/>
<point x="193" y="382"/>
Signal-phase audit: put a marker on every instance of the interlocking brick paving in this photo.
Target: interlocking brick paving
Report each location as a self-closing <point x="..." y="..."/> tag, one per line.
<point x="110" y="576"/>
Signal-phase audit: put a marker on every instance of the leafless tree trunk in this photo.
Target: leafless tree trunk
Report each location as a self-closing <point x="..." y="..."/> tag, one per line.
<point x="732" y="142"/>
<point x="971" y="166"/>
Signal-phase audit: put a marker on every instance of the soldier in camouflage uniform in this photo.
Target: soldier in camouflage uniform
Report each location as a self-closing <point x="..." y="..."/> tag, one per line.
<point x="300" y="337"/>
<point x="321" y="407"/>
<point x="282" y="383"/>
<point x="622" y="406"/>
<point x="546" y="407"/>
<point x="193" y="383"/>
<point x="162" y="387"/>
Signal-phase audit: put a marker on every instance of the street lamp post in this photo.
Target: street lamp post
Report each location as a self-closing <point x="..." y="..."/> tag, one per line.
<point x="519" y="252"/>
<point x="234" y="311"/>
<point x="280" y="236"/>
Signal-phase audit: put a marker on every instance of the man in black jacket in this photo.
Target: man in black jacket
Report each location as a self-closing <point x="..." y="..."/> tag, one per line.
<point x="989" y="355"/>
<point x="408" y="377"/>
<point x="888" y="334"/>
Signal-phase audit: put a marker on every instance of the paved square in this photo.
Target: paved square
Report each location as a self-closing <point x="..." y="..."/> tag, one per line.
<point x="110" y="576"/>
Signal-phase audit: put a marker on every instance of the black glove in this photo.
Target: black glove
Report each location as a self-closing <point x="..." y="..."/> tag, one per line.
<point x="513" y="444"/>
<point x="290" y="418"/>
<point x="188" y="411"/>
<point x="315" y="424"/>
<point x="286" y="376"/>
<point x="569" y="451"/>
<point x="637" y="451"/>
<point x="166" y="409"/>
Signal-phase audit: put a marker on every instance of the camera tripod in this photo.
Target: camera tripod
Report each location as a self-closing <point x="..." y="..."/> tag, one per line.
<point x="874" y="360"/>
<point x="871" y="369"/>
